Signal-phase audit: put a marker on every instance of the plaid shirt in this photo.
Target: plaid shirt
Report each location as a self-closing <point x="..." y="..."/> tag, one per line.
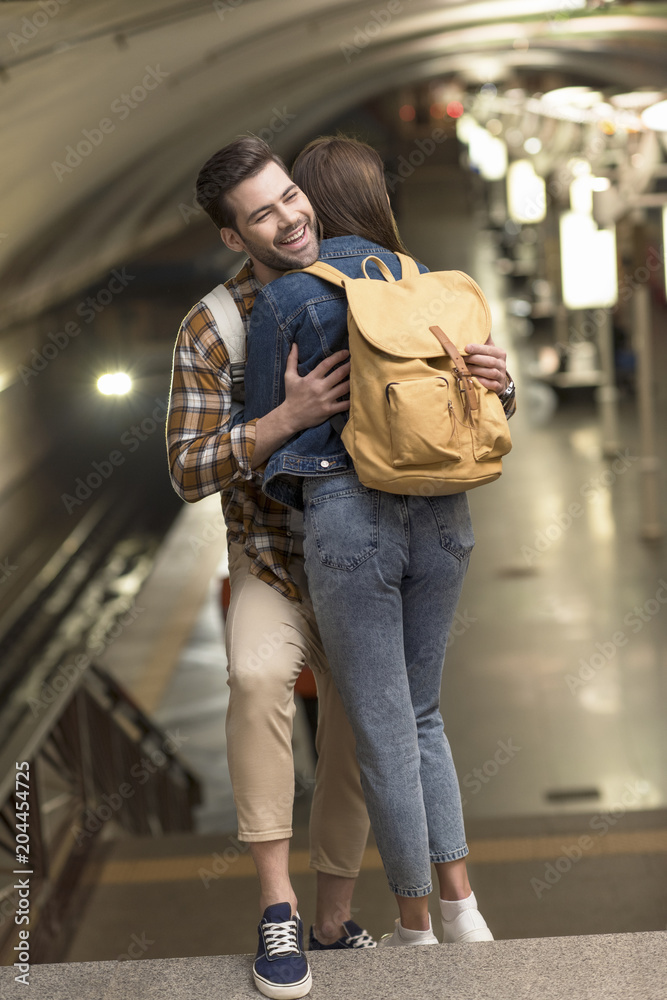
<point x="206" y="457"/>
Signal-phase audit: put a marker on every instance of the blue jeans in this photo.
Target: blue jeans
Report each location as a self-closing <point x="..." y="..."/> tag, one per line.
<point x="385" y="574"/>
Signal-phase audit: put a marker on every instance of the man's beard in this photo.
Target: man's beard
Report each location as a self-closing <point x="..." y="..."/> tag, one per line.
<point x="279" y="260"/>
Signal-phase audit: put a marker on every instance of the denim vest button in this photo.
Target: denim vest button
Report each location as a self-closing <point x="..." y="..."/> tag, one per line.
<point x="324" y="464"/>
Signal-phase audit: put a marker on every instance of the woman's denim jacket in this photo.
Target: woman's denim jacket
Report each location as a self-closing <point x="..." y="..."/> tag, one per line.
<point x="312" y="312"/>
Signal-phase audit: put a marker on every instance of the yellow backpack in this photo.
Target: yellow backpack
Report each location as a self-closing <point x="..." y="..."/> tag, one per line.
<point x="419" y="422"/>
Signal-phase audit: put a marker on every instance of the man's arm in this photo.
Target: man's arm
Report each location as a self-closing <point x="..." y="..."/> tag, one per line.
<point x="309" y="400"/>
<point x="205" y="455"/>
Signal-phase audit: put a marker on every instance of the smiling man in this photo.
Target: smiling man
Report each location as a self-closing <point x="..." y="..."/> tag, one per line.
<point x="259" y="212"/>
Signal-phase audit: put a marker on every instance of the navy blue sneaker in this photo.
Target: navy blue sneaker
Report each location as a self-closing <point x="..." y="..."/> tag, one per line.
<point x="354" y="937"/>
<point x="280" y="969"/>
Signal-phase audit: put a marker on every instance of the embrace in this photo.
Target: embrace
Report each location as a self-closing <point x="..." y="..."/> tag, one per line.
<point x="362" y="584"/>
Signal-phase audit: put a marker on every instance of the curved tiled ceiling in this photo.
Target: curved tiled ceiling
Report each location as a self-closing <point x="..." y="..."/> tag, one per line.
<point x="202" y="72"/>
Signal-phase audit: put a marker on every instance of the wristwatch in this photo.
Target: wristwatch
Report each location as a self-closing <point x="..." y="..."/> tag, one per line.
<point x="509" y="392"/>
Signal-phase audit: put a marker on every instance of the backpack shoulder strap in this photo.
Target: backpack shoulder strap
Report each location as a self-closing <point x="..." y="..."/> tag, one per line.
<point x="228" y="320"/>
<point x="409" y="267"/>
<point x="325" y="271"/>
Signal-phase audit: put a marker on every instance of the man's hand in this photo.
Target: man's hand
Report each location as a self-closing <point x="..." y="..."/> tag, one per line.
<point x="311" y="399"/>
<point x="488" y="364"/>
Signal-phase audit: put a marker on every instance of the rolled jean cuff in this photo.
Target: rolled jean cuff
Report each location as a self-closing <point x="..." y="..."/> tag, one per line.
<point x="423" y="891"/>
<point x="439" y="859"/>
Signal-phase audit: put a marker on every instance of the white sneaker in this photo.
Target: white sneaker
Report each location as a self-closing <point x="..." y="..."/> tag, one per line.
<point x="403" y="936"/>
<point x="466" y="926"/>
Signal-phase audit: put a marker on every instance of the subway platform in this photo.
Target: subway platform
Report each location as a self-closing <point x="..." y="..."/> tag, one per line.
<point x="560" y="754"/>
<point x="553" y="697"/>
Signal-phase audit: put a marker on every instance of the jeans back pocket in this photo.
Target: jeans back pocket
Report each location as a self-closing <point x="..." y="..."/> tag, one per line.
<point x="344" y="525"/>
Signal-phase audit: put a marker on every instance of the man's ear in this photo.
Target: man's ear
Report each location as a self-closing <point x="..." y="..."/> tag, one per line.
<point x="232" y="239"/>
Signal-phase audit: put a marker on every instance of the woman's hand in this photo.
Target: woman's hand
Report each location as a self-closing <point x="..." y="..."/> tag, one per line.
<point x="488" y="364"/>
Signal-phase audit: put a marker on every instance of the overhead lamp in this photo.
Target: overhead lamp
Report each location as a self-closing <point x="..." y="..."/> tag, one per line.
<point x="565" y="95"/>
<point x="581" y="192"/>
<point x="588" y="263"/>
<point x="488" y="154"/>
<point x="578" y="167"/>
<point x="114" y="384"/>
<point x="636" y="99"/>
<point x="581" y="195"/>
<point x="526" y="193"/>
<point x="532" y="145"/>
<point x="655" y="117"/>
<point x="465" y="126"/>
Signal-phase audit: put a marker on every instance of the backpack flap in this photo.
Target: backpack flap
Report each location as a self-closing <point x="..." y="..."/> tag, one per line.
<point x="449" y="299"/>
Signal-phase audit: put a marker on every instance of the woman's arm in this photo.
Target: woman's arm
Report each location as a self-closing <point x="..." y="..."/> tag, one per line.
<point x="272" y="381"/>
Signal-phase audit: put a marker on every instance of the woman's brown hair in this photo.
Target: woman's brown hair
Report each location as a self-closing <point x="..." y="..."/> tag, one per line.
<point x="343" y="179"/>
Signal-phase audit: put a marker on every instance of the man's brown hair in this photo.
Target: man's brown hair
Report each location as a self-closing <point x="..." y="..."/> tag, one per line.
<point x="245" y="157"/>
<point x="343" y="179"/>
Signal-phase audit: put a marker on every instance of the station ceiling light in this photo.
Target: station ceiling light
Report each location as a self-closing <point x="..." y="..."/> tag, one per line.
<point x="114" y="384"/>
<point x="636" y="100"/>
<point x="655" y="117"/>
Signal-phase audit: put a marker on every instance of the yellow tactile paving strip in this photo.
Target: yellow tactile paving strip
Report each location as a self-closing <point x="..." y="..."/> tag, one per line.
<point x="230" y="863"/>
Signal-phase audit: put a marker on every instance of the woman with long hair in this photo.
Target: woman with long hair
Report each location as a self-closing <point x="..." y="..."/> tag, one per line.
<point x="385" y="571"/>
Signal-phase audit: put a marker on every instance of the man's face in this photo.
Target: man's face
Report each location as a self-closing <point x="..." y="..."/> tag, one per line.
<point x="275" y="221"/>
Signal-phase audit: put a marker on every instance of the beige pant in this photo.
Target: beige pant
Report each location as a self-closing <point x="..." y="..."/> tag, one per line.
<point x="268" y="640"/>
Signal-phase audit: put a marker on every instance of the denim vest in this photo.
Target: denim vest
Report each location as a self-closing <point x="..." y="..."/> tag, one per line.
<point x="312" y="312"/>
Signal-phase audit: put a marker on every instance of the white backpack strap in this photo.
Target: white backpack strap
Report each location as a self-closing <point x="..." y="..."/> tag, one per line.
<point x="230" y="325"/>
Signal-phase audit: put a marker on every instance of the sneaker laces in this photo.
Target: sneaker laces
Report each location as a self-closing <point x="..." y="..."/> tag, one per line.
<point x="363" y="940"/>
<point x="281" y="938"/>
